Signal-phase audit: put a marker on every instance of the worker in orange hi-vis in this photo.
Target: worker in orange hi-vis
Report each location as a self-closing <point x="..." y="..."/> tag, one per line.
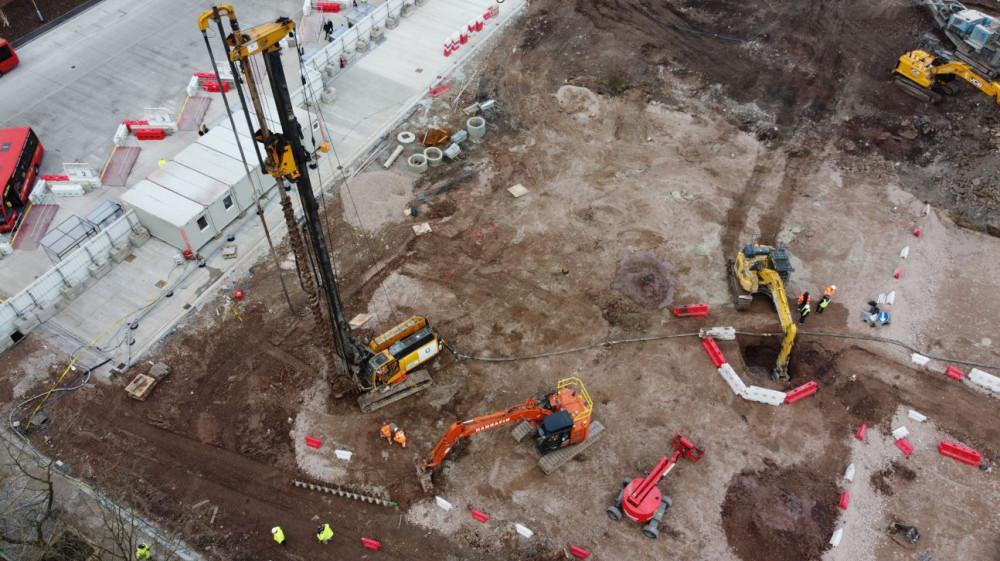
<point x="825" y="300"/>
<point x="389" y="431"/>
<point x="400" y="437"/>
<point x="804" y="299"/>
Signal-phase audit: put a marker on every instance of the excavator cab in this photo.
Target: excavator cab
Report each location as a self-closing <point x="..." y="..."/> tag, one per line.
<point x="554" y="432"/>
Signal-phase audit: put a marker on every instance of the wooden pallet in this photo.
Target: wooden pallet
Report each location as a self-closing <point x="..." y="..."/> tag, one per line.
<point x="140" y="387"/>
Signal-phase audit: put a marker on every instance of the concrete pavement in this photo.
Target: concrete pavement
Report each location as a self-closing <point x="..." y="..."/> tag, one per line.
<point x="132" y="55"/>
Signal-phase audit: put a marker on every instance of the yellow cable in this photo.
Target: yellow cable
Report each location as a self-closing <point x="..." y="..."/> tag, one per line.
<point x="76" y="356"/>
<point x="23" y="218"/>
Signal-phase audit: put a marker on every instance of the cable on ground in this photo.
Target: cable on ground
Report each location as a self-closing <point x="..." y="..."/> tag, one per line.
<point x="649" y="338"/>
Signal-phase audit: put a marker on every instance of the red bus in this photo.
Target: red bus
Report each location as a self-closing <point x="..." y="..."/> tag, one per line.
<point x="8" y="58"/>
<point x="20" y="155"/>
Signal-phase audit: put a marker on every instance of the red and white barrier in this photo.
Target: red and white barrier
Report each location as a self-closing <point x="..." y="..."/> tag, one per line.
<point x="464" y="35"/>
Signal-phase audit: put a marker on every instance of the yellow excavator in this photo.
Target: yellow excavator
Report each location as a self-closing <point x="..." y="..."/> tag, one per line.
<point x="765" y="269"/>
<point x="929" y="77"/>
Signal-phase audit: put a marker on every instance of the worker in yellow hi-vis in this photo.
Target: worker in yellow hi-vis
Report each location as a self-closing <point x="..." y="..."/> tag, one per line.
<point x="324" y="533"/>
<point x="162" y="162"/>
<point x="142" y="552"/>
<point x="278" y="534"/>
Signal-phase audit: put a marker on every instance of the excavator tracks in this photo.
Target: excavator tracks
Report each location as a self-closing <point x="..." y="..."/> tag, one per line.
<point x="555" y="460"/>
<point x="916" y="91"/>
<point x="741" y="301"/>
<point x="522" y="430"/>
<point x="417" y="381"/>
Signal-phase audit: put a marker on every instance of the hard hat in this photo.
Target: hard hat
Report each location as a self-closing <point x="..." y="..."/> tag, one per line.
<point x="833" y="286"/>
<point x="275" y="530"/>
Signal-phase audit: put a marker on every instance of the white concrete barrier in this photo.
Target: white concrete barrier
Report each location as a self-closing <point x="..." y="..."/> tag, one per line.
<point x="764" y="395"/>
<point x="733" y="379"/>
<point x="445" y="505"/>
<point x="523" y="530"/>
<point x="919" y="360"/>
<point x="849" y="474"/>
<point x="988" y="381"/>
<point x="837" y="536"/>
<point x="916" y="416"/>
<point x="900" y="433"/>
<point x="720" y="333"/>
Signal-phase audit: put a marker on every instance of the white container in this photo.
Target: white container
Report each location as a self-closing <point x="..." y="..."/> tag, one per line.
<point x="433" y="156"/>
<point x="476" y="127"/>
<point x="523" y="530"/>
<point x="445" y="505"/>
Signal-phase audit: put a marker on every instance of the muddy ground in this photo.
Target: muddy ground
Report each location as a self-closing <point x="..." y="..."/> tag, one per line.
<point x="23" y="16"/>
<point x="650" y="153"/>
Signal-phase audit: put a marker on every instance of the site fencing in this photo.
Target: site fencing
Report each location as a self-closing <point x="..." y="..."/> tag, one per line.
<point x="53" y="290"/>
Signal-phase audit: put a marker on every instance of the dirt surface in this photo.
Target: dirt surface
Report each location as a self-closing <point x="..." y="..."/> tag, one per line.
<point x="789" y="510"/>
<point x="24" y="18"/>
<point x="634" y="138"/>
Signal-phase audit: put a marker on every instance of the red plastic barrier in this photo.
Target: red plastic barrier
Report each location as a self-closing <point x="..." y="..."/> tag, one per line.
<point x="845" y="499"/>
<point x="862" y="431"/>
<point x="803" y="391"/>
<point x="205" y="75"/>
<point x="691" y="311"/>
<point x="213" y="86"/>
<point x="960" y="453"/>
<point x="905" y="446"/>
<point x="951" y="371"/>
<point x="150" y="134"/>
<point x="713" y="351"/>
<point x="480" y="516"/>
<point x="916" y="231"/>
<point x="438" y="90"/>
<point x="130" y="124"/>
<point x="313" y="442"/>
<point x="898" y="273"/>
<point x="579" y="552"/>
<point x="371" y="544"/>
<point x="330" y="7"/>
<point x="55" y="177"/>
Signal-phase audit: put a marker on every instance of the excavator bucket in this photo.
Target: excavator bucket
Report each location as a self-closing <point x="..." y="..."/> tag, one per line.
<point x="687" y="448"/>
<point x="424" y="476"/>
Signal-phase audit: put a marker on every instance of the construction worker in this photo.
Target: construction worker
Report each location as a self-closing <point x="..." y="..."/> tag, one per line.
<point x="803" y="312"/>
<point x="388" y="431"/>
<point x="825" y="300"/>
<point x="278" y="534"/>
<point x="804" y="299"/>
<point x="324" y="533"/>
<point x="142" y="552"/>
<point x="400" y="437"/>
<point x="162" y="162"/>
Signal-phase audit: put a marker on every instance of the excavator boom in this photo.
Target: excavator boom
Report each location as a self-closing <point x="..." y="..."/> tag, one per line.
<point x="530" y="410"/>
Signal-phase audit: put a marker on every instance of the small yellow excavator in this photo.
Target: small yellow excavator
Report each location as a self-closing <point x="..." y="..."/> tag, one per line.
<point x="765" y="269"/>
<point x="929" y="78"/>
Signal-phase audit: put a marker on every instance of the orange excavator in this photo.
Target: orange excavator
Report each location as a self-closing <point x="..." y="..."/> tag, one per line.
<point x="559" y="422"/>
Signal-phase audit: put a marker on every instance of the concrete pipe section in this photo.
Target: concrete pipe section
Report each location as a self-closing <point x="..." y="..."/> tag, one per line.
<point x="406" y="137"/>
<point x="433" y="156"/>
<point x="418" y="163"/>
<point x="476" y="127"/>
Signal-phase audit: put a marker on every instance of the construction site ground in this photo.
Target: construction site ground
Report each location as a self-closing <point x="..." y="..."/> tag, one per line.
<point x="651" y="153"/>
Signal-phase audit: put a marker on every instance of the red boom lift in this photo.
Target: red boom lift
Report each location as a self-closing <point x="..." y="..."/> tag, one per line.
<point x="641" y="500"/>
